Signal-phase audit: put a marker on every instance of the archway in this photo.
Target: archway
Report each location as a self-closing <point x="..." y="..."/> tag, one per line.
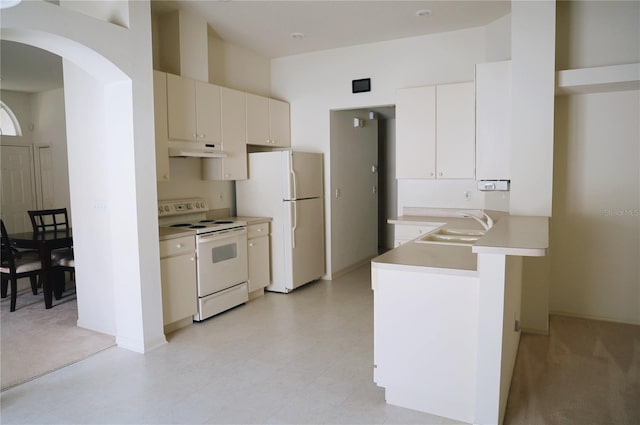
<point x="110" y="180"/>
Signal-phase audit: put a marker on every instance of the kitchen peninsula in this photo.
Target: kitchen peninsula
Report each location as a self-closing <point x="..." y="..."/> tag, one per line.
<point x="446" y="318"/>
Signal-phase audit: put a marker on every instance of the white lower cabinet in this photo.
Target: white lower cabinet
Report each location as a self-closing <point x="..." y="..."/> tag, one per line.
<point x="179" y="287"/>
<point x="404" y="233"/>
<point x="258" y="256"/>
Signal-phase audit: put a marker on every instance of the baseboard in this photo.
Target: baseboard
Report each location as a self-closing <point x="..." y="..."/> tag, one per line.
<point x="255" y="294"/>
<point x="535" y="331"/>
<point x="590" y="317"/>
<point x="340" y="273"/>
<point x="179" y="324"/>
<point x="146" y="346"/>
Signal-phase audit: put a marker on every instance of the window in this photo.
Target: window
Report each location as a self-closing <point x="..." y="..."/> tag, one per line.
<point x="9" y="125"/>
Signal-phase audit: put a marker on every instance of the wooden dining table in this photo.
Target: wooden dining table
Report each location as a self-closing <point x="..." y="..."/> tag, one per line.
<point x="44" y="243"/>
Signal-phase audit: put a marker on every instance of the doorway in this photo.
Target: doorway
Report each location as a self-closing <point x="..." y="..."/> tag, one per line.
<point x="363" y="194"/>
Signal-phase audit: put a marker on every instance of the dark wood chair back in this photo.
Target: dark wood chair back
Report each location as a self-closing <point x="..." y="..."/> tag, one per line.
<point x="46" y="220"/>
<point x="16" y="265"/>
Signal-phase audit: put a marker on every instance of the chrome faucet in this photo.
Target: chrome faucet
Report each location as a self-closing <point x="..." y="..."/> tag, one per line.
<point x="486" y="225"/>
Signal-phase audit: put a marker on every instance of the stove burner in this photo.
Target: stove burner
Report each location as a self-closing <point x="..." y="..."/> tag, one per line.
<point x="181" y="225"/>
<point x="197" y="226"/>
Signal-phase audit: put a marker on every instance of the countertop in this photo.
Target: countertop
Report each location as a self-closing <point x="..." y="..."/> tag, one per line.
<point x="176" y="232"/>
<point x="252" y="220"/>
<point x="443" y="259"/>
<point x="510" y="235"/>
<point x="426" y="220"/>
<point x="516" y="235"/>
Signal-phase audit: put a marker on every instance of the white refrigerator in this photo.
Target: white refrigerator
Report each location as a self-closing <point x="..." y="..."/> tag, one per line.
<point x="287" y="186"/>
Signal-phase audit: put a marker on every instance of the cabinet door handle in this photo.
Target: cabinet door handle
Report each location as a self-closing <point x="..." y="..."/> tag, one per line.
<point x="251" y="244"/>
<point x="192" y="259"/>
<point x="179" y="245"/>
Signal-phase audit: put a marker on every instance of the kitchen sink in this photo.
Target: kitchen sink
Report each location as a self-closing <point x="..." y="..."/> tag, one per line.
<point x="461" y="232"/>
<point x="452" y="237"/>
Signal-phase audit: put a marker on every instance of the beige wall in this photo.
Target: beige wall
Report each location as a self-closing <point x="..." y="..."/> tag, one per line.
<point x="354" y="212"/>
<point x="238" y="68"/>
<point x="49" y="128"/>
<point x="595" y="228"/>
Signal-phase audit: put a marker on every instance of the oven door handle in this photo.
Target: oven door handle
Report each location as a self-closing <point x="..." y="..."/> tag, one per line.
<point x="218" y="236"/>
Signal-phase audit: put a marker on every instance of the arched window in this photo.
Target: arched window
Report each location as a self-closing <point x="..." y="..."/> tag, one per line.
<point x="9" y="125"/>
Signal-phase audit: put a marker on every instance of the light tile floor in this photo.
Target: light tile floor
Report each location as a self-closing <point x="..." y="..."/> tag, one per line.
<point x="301" y="358"/>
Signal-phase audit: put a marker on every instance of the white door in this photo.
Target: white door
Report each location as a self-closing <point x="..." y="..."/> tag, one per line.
<point x="16" y="181"/>
<point x="303" y="241"/>
<point x="303" y="175"/>
<point x="44" y="177"/>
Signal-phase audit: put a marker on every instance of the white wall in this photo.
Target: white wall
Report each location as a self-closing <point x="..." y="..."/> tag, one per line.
<point x="319" y="82"/>
<point x="533" y="27"/>
<point x="115" y="188"/>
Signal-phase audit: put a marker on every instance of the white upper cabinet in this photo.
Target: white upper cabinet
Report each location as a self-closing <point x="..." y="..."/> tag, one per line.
<point x="234" y="165"/>
<point x="267" y="122"/>
<point x="416" y="133"/>
<point x="279" y="123"/>
<point x="160" y="119"/>
<point x="435" y="132"/>
<point x="455" y="131"/>
<point x="193" y="110"/>
<point x="257" y="120"/>
<point x="493" y="121"/>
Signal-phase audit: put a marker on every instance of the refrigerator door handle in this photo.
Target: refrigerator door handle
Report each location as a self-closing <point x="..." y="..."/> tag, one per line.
<point x="294" y="223"/>
<point x="294" y="190"/>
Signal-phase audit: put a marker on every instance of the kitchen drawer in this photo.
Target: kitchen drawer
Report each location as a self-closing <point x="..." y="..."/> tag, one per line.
<point x="257" y="230"/>
<point x="177" y="246"/>
<point x="409" y="231"/>
<point x="221" y="301"/>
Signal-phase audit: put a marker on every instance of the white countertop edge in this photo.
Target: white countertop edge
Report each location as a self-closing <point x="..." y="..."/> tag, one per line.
<point x="521" y="252"/>
<point x="415" y="221"/>
<point x="425" y="269"/>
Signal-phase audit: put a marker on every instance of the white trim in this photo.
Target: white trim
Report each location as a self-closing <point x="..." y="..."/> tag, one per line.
<point x="13" y="119"/>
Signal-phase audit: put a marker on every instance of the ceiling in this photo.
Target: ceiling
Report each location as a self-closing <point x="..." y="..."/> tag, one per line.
<point x="265" y="27"/>
<point x="28" y="69"/>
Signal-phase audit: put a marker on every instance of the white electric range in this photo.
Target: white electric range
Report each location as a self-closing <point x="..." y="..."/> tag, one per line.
<point x="221" y="253"/>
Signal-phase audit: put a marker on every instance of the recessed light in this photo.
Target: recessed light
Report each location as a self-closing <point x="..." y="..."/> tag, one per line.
<point x="296" y="35"/>
<point x="424" y="12"/>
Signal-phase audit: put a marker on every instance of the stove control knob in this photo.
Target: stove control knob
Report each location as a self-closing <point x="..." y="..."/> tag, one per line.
<point x="189" y="206"/>
<point x="166" y="208"/>
<point x="160" y="210"/>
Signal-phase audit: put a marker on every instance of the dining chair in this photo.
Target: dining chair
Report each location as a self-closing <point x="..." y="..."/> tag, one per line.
<point x="46" y="220"/>
<point x="62" y="259"/>
<point x="16" y="265"/>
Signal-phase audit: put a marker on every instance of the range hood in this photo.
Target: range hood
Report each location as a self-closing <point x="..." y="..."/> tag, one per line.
<point x="195" y="150"/>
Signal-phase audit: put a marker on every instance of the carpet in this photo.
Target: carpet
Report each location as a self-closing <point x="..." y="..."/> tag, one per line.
<point x="583" y="372"/>
<point x="35" y="341"/>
